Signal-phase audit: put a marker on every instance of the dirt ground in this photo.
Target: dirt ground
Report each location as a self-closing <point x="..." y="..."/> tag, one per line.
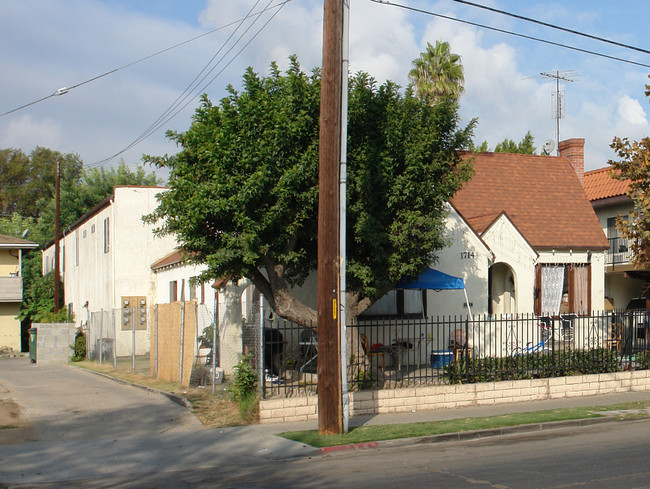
<point x="12" y="427"/>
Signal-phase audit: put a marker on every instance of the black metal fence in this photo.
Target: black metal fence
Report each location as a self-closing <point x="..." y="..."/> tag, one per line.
<point x="394" y="353"/>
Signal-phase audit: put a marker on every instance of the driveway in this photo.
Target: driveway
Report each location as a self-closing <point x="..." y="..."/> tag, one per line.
<point x="57" y="403"/>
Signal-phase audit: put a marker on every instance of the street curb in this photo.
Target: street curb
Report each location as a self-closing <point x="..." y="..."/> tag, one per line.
<point x="467" y="435"/>
<point x="180" y="400"/>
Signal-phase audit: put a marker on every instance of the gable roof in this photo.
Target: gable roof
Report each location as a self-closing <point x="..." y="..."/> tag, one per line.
<point x="600" y="184"/>
<point x="541" y="195"/>
<point x="9" y="242"/>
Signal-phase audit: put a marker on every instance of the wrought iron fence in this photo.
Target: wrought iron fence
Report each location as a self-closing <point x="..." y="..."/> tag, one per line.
<point x="394" y="353"/>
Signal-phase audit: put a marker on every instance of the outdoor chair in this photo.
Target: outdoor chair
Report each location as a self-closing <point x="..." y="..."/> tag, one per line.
<point x="614" y="337"/>
<point x="458" y="344"/>
<point x="372" y="352"/>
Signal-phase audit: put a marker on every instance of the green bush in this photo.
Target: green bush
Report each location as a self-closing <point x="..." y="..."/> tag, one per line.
<point x="244" y="387"/>
<point x="79" y="347"/>
<point x="538" y="365"/>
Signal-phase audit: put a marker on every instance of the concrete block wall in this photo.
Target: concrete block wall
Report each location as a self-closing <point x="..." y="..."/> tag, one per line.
<point x="461" y="395"/>
<point x="53" y="341"/>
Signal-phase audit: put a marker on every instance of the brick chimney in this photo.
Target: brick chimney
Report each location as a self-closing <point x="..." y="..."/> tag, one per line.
<point x="574" y="151"/>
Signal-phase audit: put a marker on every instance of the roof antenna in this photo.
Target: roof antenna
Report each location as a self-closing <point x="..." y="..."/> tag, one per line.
<point x="557" y="98"/>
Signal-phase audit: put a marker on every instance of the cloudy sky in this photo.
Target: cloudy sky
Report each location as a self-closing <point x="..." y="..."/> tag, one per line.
<point x="50" y="44"/>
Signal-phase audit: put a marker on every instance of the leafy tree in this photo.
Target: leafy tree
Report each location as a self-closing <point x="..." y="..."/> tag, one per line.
<point x="38" y="304"/>
<point x="437" y="74"/>
<point x="525" y="146"/>
<point x="634" y="164"/>
<point x="243" y="191"/>
<point x="26" y="180"/>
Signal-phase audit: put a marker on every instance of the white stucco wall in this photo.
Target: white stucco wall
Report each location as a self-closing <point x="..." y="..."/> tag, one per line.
<point x="511" y="249"/>
<point x="101" y="278"/>
<point x="466" y="257"/>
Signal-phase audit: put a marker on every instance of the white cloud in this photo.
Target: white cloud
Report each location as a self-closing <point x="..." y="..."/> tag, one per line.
<point x="630" y="111"/>
<point x="25" y="132"/>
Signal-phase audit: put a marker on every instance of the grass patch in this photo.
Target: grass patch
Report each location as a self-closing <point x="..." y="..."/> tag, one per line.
<point x="214" y="411"/>
<point x="413" y="430"/>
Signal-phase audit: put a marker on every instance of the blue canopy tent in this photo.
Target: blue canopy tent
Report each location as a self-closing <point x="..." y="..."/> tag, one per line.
<point x="432" y="279"/>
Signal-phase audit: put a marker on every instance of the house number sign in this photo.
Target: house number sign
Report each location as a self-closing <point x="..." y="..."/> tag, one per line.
<point x="467" y="255"/>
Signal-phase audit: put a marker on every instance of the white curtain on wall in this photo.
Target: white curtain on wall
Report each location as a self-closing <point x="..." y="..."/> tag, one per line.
<point x="552" y="286"/>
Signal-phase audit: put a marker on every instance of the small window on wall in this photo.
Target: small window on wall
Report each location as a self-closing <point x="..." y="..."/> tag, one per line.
<point x="193" y="285"/>
<point x="398" y="303"/>
<point x="76" y="248"/>
<point x="107" y="236"/>
<point x="173" y="291"/>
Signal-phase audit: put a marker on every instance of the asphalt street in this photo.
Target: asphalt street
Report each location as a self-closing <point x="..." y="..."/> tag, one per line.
<point x="86" y="431"/>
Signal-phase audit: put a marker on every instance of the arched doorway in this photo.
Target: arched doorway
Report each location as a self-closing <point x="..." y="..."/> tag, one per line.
<point x="502" y="297"/>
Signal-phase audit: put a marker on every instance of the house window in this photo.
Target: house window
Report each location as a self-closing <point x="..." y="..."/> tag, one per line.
<point x="398" y="303"/>
<point x="563" y="288"/>
<point x="173" y="291"/>
<point x="92" y="229"/>
<point x="107" y="236"/>
<point x="202" y="293"/>
<point x="192" y="285"/>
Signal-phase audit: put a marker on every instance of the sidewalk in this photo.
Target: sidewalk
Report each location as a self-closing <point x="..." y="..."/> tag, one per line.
<point x="263" y="432"/>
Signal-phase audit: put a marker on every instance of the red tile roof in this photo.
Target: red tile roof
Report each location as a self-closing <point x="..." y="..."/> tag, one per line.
<point x="541" y="195"/>
<point x="599" y="184"/>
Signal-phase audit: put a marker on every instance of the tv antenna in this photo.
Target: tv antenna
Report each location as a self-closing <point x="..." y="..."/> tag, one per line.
<point x="558" y="97"/>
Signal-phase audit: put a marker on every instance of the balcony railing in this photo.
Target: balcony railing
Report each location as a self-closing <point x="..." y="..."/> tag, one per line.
<point x="619" y="251"/>
<point x="11" y="289"/>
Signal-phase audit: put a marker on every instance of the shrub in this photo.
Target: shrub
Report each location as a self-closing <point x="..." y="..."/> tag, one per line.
<point x="79" y="347"/>
<point x="244" y="387"/>
<point x="536" y="365"/>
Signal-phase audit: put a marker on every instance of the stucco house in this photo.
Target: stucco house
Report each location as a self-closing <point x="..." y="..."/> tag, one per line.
<point x="106" y="258"/>
<point x="624" y="280"/>
<point x="524" y="238"/>
<point x="11" y="289"/>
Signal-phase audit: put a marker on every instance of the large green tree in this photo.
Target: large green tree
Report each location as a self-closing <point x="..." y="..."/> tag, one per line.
<point x="243" y="191"/>
<point x="634" y="164"/>
<point x="26" y="180"/>
<point x="437" y="74"/>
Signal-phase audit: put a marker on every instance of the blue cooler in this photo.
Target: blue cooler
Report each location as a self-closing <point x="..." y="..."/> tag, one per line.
<point x="440" y="358"/>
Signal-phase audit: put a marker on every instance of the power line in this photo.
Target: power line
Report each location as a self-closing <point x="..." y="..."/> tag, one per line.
<point x="64" y="90"/>
<point x="503" y="31"/>
<point x="175" y="108"/>
<point x="553" y="26"/>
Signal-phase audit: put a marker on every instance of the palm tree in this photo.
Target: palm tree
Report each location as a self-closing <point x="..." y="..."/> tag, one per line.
<point x="437" y="74"/>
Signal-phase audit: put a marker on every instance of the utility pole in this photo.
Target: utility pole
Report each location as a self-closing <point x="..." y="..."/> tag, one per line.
<point x="329" y="364"/>
<point x="57" y="236"/>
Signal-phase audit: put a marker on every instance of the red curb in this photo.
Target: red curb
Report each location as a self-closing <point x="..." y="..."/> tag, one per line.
<point x="343" y="448"/>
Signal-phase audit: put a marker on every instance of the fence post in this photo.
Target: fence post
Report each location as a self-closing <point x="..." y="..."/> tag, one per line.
<point x="101" y="334"/>
<point x="155" y="342"/>
<point x="261" y="349"/>
<point x="114" y="339"/>
<point x="133" y="334"/>
<point x="215" y="332"/>
<point x="180" y="372"/>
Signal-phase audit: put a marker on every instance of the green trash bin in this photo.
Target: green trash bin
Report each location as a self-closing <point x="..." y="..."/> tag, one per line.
<point x="32" y="344"/>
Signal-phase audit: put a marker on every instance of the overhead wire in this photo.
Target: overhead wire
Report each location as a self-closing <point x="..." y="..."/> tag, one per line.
<point x="553" y="26"/>
<point x="503" y="31"/>
<point x="64" y="90"/>
<point x="189" y="93"/>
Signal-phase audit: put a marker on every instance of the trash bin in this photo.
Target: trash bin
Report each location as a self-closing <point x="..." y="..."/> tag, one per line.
<point x="440" y="358"/>
<point x="32" y="344"/>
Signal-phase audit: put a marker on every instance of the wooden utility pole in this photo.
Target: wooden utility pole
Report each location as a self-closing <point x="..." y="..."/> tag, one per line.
<point x="57" y="237"/>
<point x="329" y="364"/>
